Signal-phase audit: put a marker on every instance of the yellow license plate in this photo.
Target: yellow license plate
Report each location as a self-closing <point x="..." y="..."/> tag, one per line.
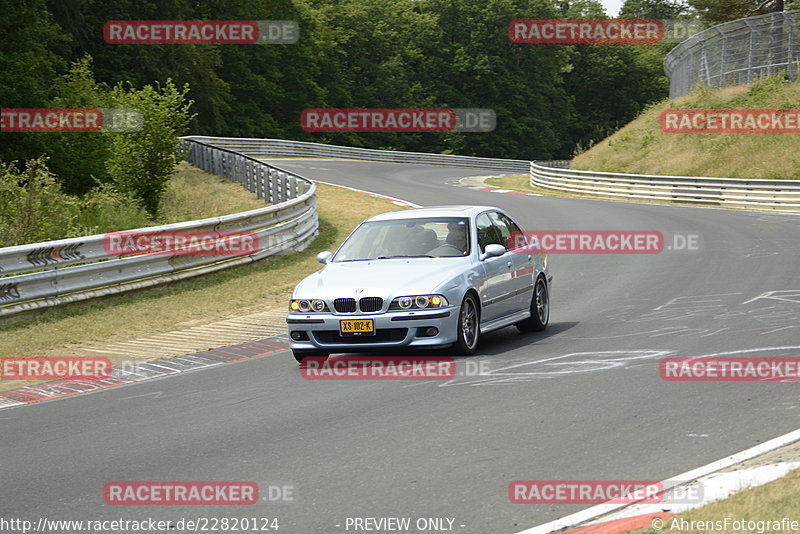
<point x="356" y="327"/>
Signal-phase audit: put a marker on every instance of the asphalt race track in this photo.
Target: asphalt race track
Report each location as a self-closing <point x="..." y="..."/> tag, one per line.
<point x="581" y="401"/>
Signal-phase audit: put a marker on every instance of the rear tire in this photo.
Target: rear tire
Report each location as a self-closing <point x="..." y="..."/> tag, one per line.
<point x="540" y="309"/>
<point x="469" y="326"/>
<point x="301" y="354"/>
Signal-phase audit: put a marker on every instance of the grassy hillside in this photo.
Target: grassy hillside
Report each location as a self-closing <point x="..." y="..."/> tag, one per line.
<point x="641" y="147"/>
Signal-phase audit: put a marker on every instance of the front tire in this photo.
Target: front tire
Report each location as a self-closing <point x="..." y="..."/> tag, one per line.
<point x="540" y="309"/>
<point x="302" y="354"/>
<point x="469" y="327"/>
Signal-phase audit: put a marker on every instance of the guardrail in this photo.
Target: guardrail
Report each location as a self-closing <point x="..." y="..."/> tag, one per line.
<point x="783" y="195"/>
<point x="270" y="148"/>
<point x="71" y="270"/>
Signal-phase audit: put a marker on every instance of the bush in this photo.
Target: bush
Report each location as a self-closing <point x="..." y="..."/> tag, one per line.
<point x="141" y="162"/>
<point x="33" y="206"/>
<point x="104" y="209"/>
<point x="138" y="163"/>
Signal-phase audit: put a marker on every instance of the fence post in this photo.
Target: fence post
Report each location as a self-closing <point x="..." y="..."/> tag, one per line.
<point x="750" y="52"/>
<point x="722" y="59"/>
<point x="704" y="64"/>
<point x="790" y="48"/>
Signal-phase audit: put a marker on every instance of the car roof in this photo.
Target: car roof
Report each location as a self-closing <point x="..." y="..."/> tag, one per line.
<point x="432" y="211"/>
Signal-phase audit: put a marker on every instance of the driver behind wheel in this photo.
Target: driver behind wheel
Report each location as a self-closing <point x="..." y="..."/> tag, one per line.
<point x="455" y="244"/>
<point x="457" y="236"/>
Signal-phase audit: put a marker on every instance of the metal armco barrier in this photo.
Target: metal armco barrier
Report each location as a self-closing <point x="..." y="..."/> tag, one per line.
<point x="783" y="195"/>
<point x="270" y="148"/>
<point x="70" y="270"/>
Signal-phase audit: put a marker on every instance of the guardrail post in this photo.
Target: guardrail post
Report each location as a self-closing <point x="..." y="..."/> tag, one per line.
<point x="273" y="186"/>
<point x="248" y="175"/>
<point x="281" y="186"/>
<point x="259" y="181"/>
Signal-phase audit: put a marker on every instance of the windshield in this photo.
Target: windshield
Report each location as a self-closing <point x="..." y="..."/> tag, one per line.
<point x="436" y="237"/>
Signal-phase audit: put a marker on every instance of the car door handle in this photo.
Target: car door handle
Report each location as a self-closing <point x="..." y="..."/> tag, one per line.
<point x="509" y="265"/>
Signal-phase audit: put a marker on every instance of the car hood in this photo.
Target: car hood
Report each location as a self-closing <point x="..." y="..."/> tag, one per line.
<point x="380" y="278"/>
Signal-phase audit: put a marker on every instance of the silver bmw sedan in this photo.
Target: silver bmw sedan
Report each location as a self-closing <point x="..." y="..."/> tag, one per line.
<point x="426" y="277"/>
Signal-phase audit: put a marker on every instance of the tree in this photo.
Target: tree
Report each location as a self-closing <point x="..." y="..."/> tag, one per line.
<point x="78" y="159"/>
<point x="718" y="11"/>
<point x="27" y="68"/>
<point x="142" y="161"/>
<point x="653" y="9"/>
<point x="83" y="20"/>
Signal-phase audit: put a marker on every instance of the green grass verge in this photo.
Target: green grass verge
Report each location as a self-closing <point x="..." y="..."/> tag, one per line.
<point x="770" y="502"/>
<point x="642" y="148"/>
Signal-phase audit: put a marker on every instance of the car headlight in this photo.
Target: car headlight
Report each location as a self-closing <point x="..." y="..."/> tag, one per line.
<point x="308" y="306"/>
<point x="418" y="302"/>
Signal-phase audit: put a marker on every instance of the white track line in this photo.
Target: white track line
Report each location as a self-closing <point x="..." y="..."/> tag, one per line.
<point x="603" y="509"/>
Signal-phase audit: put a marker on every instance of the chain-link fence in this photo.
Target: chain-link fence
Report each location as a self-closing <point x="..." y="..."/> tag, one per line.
<point x="736" y="52"/>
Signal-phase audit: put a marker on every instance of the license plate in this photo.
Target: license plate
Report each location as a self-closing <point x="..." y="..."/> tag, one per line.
<point x="357" y="327"/>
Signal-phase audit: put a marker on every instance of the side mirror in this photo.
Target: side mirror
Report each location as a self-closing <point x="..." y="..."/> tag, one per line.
<point x="325" y="256"/>
<point x="493" y="250"/>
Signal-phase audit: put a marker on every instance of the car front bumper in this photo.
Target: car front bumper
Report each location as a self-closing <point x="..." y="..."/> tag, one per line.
<point x="400" y="328"/>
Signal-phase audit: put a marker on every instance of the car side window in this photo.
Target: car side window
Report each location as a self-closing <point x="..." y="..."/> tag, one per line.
<point x="488" y="232"/>
<point x="512" y="235"/>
